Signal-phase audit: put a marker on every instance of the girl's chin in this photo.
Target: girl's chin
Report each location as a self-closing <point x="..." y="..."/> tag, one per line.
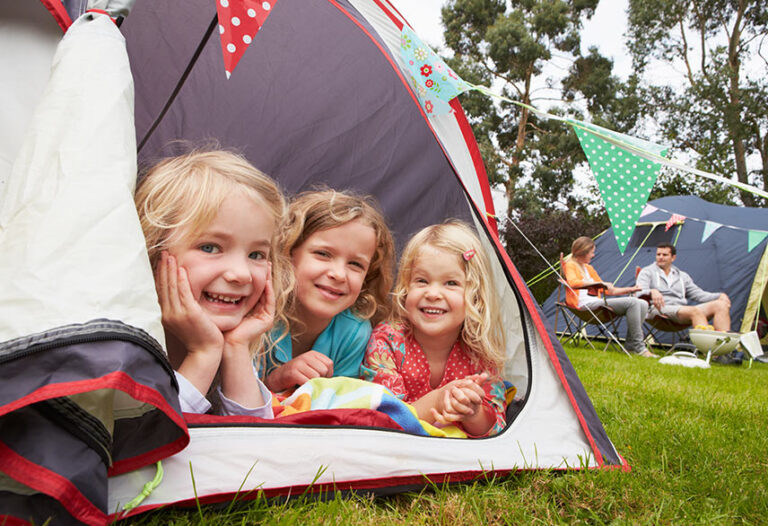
<point x="225" y="324"/>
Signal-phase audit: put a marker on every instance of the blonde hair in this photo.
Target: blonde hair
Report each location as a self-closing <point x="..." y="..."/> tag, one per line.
<point x="314" y="211"/>
<point x="581" y="246"/>
<point x="482" y="332"/>
<point x="180" y="196"/>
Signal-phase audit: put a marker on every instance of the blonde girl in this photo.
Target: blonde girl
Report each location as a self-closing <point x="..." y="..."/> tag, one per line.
<point x="342" y="254"/>
<point x="211" y="220"/>
<point x="444" y="347"/>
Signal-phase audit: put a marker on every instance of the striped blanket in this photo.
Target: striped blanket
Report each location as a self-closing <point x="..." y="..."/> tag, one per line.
<point x="350" y="393"/>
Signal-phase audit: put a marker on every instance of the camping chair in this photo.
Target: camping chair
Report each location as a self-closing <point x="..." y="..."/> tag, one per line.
<point x="662" y="322"/>
<point x="577" y="320"/>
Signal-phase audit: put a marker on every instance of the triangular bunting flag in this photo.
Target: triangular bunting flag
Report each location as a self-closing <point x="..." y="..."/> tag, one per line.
<point x="624" y="178"/>
<point x="239" y="21"/>
<point x="649" y="209"/>
<point x="755" y="238"/>
<point x="674" y="219"/>
<point x="433" y="81"/>
<point x="709" y="228"/>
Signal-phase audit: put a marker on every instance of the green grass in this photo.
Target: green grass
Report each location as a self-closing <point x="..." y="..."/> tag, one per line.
<point x="696" y="440"/>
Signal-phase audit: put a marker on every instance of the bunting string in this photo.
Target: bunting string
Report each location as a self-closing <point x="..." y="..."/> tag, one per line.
<point x="616" y="159"/>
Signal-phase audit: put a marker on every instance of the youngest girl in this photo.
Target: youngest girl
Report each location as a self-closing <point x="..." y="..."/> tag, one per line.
<point x="443" y="351"/>
<point x="210" y="220"/>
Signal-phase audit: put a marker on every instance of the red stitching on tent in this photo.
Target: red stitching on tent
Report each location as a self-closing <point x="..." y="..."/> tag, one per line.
<point x="7" y="520"/>
<point x="548" y="346"/>
<point x="421" y="110"/>
<point x="388" y="12"/>
<point x="477" y="160"/>
<point x="123" y="382"/>
<point x="102" y="12"/>
<point x="355" y="485"/>
<point x="50" y="483"/>
<point x="56" y="8"/>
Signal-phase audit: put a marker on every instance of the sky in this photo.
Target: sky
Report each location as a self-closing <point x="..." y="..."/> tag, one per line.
<point x="604" y="30"/>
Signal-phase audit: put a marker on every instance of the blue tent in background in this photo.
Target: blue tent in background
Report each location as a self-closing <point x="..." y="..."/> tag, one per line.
<point x="723" y="248"/>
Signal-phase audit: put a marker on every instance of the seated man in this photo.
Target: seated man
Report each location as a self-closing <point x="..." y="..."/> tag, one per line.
<point x="670" y="289"/>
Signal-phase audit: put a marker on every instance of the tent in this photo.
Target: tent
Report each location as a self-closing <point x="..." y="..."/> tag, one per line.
<point x="722" y="247"/>
<point x="319" y="97"/>
<point x="85" y="388"/>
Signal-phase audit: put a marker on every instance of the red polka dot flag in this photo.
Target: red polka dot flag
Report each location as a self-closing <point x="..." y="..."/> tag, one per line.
<point x="239" y="21"/>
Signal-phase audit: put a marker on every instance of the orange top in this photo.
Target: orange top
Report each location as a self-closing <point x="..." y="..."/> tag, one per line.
<point x="575" y="278"/>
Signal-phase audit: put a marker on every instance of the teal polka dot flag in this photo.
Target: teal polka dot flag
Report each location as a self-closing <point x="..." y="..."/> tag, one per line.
<point x="624" y="178"/>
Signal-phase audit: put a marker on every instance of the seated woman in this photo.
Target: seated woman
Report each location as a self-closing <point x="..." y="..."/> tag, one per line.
<point x="580" y="274"/>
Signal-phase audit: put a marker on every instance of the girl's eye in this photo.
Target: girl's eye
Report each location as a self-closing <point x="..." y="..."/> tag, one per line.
<point x="452" y="283"/>
<point x="257" y="255"/>
<point x="357" y="264"/>
<point x="209" y="248"/>
<point x="322" y="253"/>
<point x="420" y="280"/>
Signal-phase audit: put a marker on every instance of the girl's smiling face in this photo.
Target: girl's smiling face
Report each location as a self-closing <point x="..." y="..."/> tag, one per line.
<point x="330" y="267"/>
<point x="228" y="262"/>
<point x="435" y="304"/>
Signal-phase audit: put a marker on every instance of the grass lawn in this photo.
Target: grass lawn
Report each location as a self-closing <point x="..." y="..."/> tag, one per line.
<point x="696" y="441"/>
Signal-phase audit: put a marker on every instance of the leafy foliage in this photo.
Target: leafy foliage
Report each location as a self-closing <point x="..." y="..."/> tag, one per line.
<point x="552" y="234"/>
<point x="509" y="44"/>
<point x="720" y="112"/>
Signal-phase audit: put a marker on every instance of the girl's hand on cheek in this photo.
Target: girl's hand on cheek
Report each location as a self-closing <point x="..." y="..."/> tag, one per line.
<point x="258" y="321"/>
<point x="300" y="370"/>
<point x="181" y="314"/>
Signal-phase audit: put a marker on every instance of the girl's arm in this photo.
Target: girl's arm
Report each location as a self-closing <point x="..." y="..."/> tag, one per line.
<point x="481" y="422"/>
<point x="299" y="370"/>
<point x="454" y="402"/>
<point x="239" y="382"/>
<point x="494" y="406"/>
<point x="382" y="361"/>
<point x="194" y="342"/>
<point x="486" y="402"/>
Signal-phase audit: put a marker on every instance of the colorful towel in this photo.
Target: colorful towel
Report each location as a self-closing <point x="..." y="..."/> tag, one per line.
<point x="350" y="393"/>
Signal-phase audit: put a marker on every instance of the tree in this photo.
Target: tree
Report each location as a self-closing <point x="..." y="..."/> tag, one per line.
<point x="552" y="234"/>
<point x="509" y="43"/>
<point x="721" y="113"/>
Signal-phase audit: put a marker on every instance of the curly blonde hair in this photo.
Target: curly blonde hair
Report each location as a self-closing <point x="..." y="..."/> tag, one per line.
<point x="180" y="196"/>
<point x="318" y="210"/>
<point x="482" y="332"/>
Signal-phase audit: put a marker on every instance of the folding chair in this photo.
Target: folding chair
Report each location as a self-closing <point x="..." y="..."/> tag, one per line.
<point x="663" y="323"/>
<point x="578" y="320"/>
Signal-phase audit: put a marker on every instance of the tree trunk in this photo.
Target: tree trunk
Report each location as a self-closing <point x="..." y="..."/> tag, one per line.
<point x="733" y="121"/>
<point x="520" y="141"/>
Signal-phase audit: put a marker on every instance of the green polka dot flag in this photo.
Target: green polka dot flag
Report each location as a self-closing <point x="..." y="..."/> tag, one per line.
<point x="624" y="178"/>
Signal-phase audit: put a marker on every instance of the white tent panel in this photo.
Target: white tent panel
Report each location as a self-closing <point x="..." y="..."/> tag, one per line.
<point x="68" y="225"/>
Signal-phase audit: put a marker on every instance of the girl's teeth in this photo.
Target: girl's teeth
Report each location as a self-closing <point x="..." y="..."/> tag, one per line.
<point x="225" y="299"/>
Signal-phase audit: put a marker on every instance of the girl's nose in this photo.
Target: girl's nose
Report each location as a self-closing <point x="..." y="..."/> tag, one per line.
<point x="433" y="291"/>
<point x="238" y="271"/>
<point x="336" y="270"/>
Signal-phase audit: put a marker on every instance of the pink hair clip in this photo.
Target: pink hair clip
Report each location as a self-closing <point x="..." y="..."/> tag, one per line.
<point x="469" y="254"/>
